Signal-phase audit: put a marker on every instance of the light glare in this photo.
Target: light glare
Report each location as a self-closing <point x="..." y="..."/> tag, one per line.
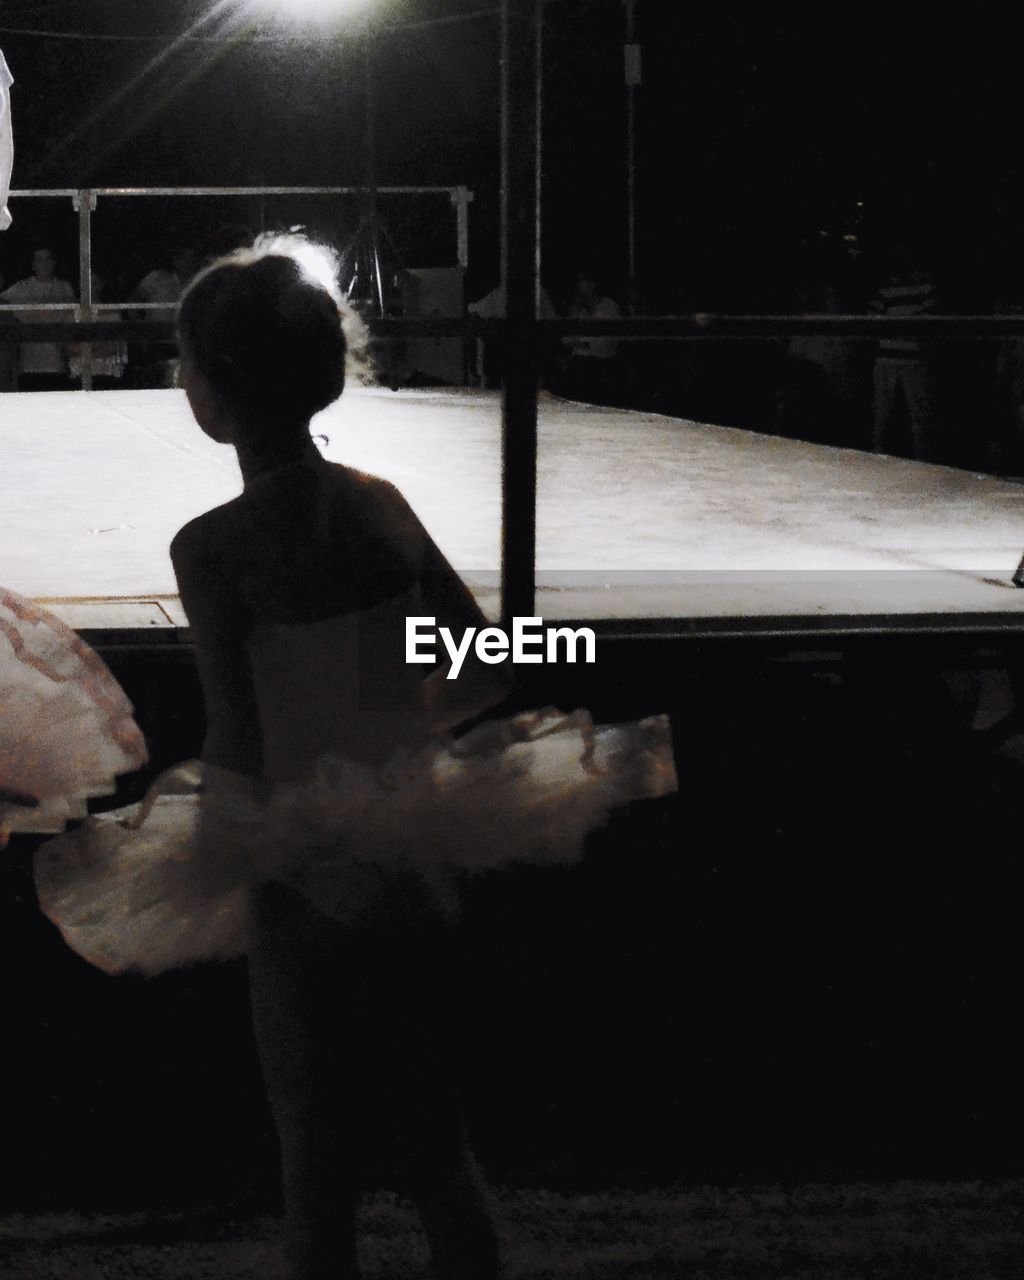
<point x="321" y="13"/>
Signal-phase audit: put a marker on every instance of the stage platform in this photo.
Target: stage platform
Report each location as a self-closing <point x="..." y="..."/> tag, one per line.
<point x="645" y="523"/>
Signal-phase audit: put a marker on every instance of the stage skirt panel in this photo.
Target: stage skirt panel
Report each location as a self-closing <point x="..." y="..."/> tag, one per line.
<point x="166" y="883"/>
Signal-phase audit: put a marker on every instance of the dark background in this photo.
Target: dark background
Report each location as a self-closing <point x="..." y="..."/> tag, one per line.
<point x="759" y="138"/>
<point x="803" y="966"/>
<point x="774" y="154"/>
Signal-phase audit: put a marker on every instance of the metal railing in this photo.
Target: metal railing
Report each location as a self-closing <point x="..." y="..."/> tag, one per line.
<point x="523" y="332"/>
<point x="84" y="202"/>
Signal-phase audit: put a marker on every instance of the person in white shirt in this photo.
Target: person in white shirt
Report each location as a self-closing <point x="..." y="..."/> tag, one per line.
<point x="165" y="284"/>
<point x="492" y="306"/>
<point x="153" y="363"/>
<point x="590" y="366"/>
<point x="42" y="366"/>
<point x="590" y="304"/>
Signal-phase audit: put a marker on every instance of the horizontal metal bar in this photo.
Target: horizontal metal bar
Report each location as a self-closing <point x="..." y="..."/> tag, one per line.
<point x="234" y="191"/>
<point x="134" y="306"/>
<point x="969" y="627"/>
<point x="391" y="329"/>
<point x="88" y="331"/>
<point x="164" y="642"/>
<point x="96" y="306"/>
<point x="268" y="191"/>
<point x="778" y="326"/>
<point x="641" y="328"/>
<point x="655" y="327"/>
<point x="945" y="633"/>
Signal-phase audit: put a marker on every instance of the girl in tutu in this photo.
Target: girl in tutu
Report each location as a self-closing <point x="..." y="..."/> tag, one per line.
<point x="326" y="826"/>
<point x="296" y="593"/>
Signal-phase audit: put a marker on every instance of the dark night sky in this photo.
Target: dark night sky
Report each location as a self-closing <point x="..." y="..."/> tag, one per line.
<point x="754" y="133"/>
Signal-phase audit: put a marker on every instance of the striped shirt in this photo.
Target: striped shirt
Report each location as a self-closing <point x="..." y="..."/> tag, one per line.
<point x="905" y="298"/>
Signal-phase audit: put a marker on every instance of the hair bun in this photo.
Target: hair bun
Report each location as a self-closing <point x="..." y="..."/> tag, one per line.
<point x="269" y="331"/>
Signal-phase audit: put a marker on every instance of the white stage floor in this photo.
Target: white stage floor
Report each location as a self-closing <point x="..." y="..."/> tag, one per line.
<point x="639" y="516"/>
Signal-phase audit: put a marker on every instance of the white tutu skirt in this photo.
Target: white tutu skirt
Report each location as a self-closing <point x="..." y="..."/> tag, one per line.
<point x="66" y="727"/>
<point x="166" y="883"/>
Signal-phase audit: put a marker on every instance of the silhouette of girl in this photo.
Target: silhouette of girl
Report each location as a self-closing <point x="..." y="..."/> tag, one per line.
<point x="324" y="830"/>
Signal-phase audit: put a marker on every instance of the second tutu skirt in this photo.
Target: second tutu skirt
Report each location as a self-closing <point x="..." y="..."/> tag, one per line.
<point x="66" y="727"/>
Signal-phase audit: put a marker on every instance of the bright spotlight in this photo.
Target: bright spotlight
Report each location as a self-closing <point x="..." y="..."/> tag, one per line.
<point x="310" y="12"/>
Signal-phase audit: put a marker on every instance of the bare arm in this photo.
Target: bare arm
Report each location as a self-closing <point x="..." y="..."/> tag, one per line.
<point x="478" y="686"/>
<point x="217" y="623"/>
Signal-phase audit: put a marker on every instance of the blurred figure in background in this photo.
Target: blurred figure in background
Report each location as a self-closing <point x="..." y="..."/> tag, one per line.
<point x="166" y="283"/>
<point x="1006" y="452"/>
<point x="153" y="363"/>
<point x="907" y="414"/>
<point x="42" y="366"/>
<point x="107" y="359"/>
<point x="823" y="391"/>
<point x="492" y="306"/>
<point x="590" y="365"/>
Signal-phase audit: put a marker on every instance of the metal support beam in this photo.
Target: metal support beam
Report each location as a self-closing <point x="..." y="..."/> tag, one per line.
<point x="632" y="70"/>
<point x="84" y="203"/>
<point x="462" y="198"/>
<point x="520" y="275"/>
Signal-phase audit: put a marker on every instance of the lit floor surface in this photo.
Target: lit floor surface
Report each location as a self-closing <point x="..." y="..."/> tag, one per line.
<point x="639" y="516"/>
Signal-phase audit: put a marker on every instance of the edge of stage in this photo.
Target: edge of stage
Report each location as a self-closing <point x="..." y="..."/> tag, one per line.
<point x="649" y="529"/>
<point x="795" y="906"/>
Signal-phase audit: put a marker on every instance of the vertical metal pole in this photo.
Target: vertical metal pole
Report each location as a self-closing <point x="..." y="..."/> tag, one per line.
<point x="85" y="202"/>
<point x="538" y="53"/>
<point x="632" y="68"/>
<point x="519" y="272"/>
<point x="503" y="143"/>
<point x="371" y="173"/>
<point x="461" y="198"/>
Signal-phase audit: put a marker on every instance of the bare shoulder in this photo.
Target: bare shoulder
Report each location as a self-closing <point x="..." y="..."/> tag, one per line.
<point x="207" y="530"/>
<point x="381" y="500"/>
<point x="371" y="486"/>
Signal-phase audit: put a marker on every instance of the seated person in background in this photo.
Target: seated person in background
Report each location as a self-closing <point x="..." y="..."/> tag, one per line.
<point x="588" y="303"/>
<point x="589" y="365"/>
<point x="908" y="418"/>
<point x="823" y="394"/>
<point x="166" y="283"/>
<point x="1006" y="443"/>
<point x="107" y="359"/>
<point x="42" y="366"/>
<point x="492" y="306"/>
<point x="153" y="362"/>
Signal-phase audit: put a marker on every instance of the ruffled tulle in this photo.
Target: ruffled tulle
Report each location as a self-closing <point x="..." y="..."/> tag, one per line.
<point x="66" y="727"/>
<point x="165" y="883"/>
